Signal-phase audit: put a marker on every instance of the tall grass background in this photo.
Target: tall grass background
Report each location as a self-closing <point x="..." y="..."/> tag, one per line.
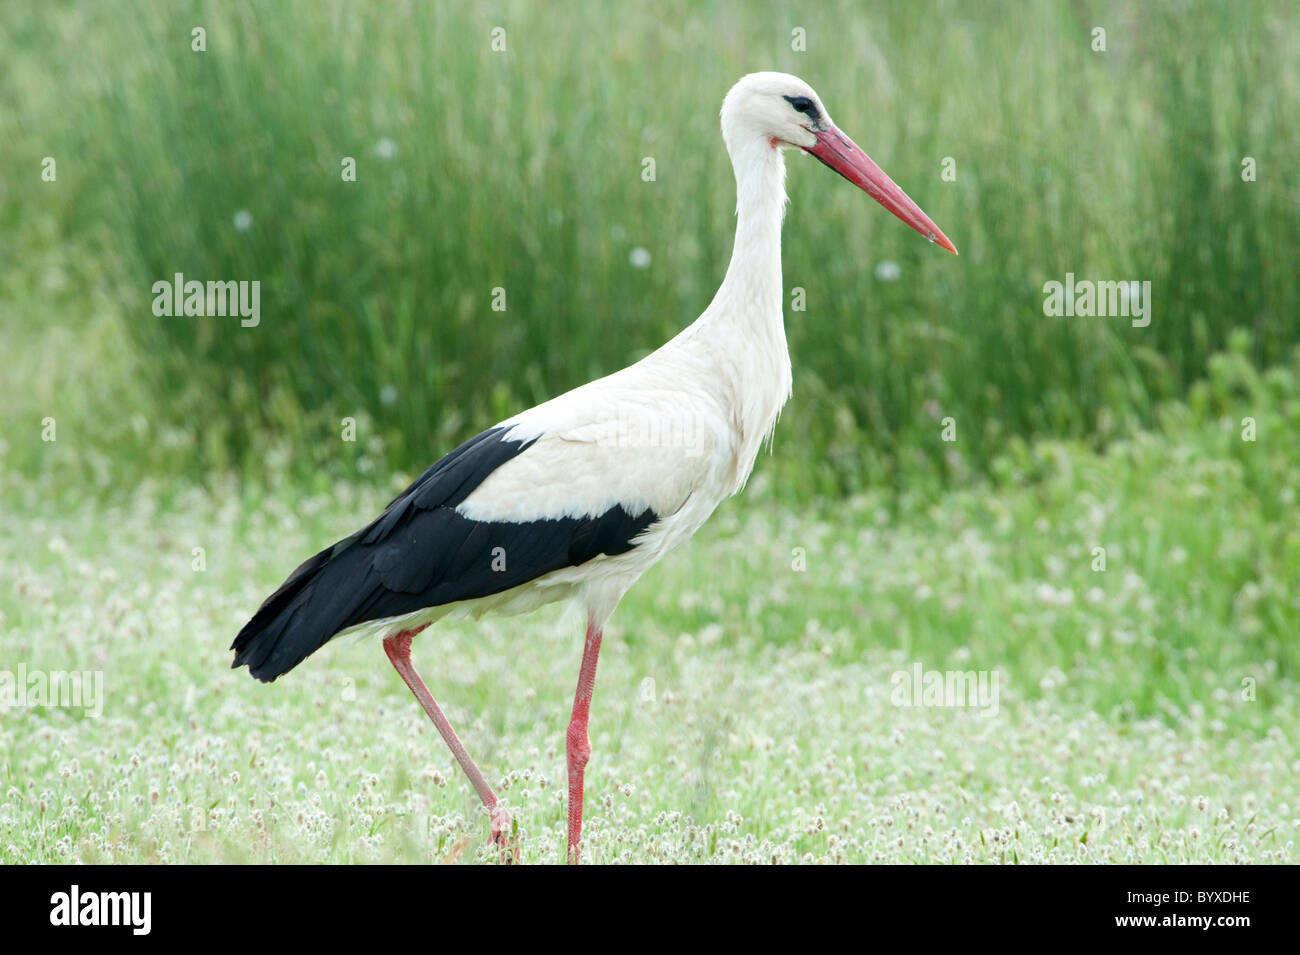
<point x="522" y="170"/>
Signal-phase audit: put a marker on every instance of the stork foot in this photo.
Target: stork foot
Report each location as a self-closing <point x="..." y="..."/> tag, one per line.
<point x="503" y="835"/>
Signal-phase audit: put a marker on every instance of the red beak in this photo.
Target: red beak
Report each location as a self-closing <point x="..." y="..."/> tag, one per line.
<point x="842" y="154"/>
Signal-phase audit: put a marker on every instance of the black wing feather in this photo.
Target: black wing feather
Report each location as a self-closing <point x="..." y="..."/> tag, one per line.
<point x="421" y="553"/>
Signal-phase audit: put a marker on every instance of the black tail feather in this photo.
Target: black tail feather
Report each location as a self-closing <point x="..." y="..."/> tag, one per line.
<point x="275" y="640"/>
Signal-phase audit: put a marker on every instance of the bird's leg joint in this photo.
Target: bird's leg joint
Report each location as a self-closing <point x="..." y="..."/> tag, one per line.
<point x="577" y="745"/>
<point x="398" y="645"/>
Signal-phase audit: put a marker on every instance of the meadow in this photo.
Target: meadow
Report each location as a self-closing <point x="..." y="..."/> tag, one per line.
<point x="1108" y="530"/>
<point x="748" y="704"/>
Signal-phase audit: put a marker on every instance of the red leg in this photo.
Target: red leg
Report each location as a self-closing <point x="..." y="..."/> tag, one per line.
<point x="577" y="742"/>
<point x="398" y="648"/>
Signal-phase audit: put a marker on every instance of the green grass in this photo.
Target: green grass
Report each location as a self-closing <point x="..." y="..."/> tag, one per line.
<point x="744" y="709"/>
<point x="522" y="170"/>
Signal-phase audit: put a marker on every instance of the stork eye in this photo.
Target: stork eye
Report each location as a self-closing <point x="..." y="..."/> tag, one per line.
<point x="803" y="104"/>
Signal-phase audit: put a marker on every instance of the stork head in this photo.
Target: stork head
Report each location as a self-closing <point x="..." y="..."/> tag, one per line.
<point x="779" y="111"/>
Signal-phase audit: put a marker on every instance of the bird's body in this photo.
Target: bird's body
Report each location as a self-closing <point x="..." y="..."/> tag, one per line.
<point x="579" y="496"/>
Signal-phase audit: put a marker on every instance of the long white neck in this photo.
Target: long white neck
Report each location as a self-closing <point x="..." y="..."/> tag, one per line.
<point x="751" y="291"/>
<point x="743" y="331"/>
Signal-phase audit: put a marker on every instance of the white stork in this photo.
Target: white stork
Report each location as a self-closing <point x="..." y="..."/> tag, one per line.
<point x="579" y="496"/>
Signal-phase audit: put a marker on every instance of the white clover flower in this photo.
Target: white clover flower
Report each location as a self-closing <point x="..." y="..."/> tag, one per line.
<point x="887" y="271"/>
